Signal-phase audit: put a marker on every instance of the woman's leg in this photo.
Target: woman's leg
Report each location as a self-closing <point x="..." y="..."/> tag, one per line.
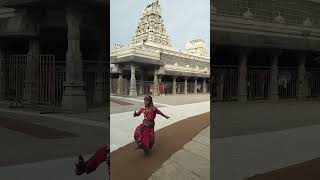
<point x="137" y="135"/>
<point x="100" y="156"/>
<point x="151" y="138"/>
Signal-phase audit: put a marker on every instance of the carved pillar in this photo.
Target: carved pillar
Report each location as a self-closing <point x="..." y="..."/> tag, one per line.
<point x="119" y="87"/>
<point x="133" y="83"/>
<point x="174" y="85"/>
<point x="141" y="87"/>
<point x="110" y="85"/>
<point x="301" y="94"/>
<point x="274" y="76"/>
<point x="155" y="83"/>
<point x="243" y="75"/>
<point x="204" y="88"/>
<point x="74" y="96"/>
<point x="185" y="85"/>
<point x="195" y="85"/>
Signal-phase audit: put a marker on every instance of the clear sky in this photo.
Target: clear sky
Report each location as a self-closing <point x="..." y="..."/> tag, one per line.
<point x="184" y="20"/>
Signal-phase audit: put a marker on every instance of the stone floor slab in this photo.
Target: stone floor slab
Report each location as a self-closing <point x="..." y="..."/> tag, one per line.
<point x="194" y="159"/>
<point x="193" y="163"/>
<point x="173" y="171"/>
<point x="202" y="140"/>
<point x="198" y="149"/>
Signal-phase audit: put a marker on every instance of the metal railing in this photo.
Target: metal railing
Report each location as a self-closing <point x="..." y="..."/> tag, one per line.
<point x="312" y="83"/>
<point x="287" y="83"/>
<point x="258" y="79"/>
<point x="40" y="79"/>
<point x="224" y="81"/>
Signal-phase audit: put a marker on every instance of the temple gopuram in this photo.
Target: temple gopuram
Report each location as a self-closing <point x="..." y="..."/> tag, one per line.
<point x="150" y="60"/>
<point x="53" y="53"/>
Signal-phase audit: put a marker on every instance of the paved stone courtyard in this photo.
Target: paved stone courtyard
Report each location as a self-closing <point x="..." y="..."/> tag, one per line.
<point x="46" y="146"/>
<point x="122" y="125"/>
<point x="254" y="138"/>
<point x="190" y="163"/>
<point x="124" y="104"/>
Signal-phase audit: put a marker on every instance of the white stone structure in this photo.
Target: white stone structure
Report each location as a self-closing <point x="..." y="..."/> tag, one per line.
<point x="150" y="28"/>
<point x="150" y="54"/>
<point x="197" y="47"/>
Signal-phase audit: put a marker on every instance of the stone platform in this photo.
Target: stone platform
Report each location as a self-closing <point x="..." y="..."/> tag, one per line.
<point x="190" y="163"/>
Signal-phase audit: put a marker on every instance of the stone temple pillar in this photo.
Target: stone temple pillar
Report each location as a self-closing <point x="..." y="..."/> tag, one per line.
<point x="74" y="96"/>
<point x="195" y="86"/>
<point x="174" y="85"/>
<point x="141" y="87"/>
<point x="2" y="56"/>
<point x="119" y="87"/>
<point x="243" y="76"/>
<point x="32" y="71"/>
<point x="155" y="83"/>
<point x="186" y="85"/>
<point x="274" y="77"/>
<point x="133" y="83"/>
<point x="110" y="85"/>
<point x="301" y="94"/>
<point x="204" y="89"/>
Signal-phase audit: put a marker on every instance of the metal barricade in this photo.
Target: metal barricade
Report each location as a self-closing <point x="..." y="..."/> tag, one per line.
<point x="287" y="83"/>
<point x="312" y="83"/>
<point x="40" y="80"/>
<point x="258" y="79"/>
<point x="224" y="83"/>
<point x="14" y="75"/>
<point x="46" y="80"/>
<point x="144" y="87"/>
<point x="180" y="87"/>
<point x="60" y="79"/>
<point x="168" y="87"/>
<point x="190" y="87"/>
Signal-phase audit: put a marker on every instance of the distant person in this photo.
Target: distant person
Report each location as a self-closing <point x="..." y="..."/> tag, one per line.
<point x="144" y="133"/>
<point x="151" y="88"/>
<point x="161" y="88"/>
<point x="100" y="156"/>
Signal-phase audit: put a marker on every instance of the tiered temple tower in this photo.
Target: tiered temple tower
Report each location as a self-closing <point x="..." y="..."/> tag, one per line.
<point x="150" y="28"/>
<point x="197" y="47"/>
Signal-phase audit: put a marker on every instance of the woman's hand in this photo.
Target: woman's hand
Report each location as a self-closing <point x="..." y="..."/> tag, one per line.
<point x="134" y="114"/>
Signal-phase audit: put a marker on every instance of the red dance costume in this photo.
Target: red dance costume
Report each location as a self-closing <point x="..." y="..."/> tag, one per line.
<point x="100" y="156"/>
<point x="144" y="133"/>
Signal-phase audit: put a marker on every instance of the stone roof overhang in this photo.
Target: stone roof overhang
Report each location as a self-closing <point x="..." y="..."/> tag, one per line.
<point x="136" y="59"/>
<point x="41" y="3"/>
<point x="188" y="74"/>
<point x="241" y="31"/>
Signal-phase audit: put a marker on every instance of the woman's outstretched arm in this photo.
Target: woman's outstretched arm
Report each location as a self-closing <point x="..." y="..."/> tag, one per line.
<point x="159" y="112"/>
<point x="137" y="113"/>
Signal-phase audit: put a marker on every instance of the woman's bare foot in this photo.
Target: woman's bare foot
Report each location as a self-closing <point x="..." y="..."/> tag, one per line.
<point x="80" y="166"/>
